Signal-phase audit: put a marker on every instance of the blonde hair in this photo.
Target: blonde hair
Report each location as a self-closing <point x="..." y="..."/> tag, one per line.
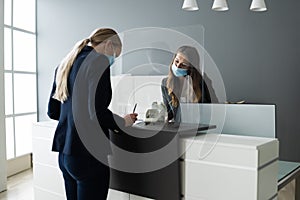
<point x="98" y="36"/>
<point x="173" y="83"/>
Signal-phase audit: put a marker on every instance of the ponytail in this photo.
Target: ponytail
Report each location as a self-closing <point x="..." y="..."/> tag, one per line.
<point x="97" y="37"/>
<point x="61" y="92"/>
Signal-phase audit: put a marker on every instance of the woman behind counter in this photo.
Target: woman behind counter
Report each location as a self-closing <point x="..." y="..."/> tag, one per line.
<point x="85" y="177"/>
<point x="184" y="82"/>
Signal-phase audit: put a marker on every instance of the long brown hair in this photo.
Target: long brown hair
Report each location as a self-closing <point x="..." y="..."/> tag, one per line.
<point x="97" y="36"/>
<point x="173" y="83"/>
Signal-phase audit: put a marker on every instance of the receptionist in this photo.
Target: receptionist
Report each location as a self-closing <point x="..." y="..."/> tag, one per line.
<point x="184" y="83"/>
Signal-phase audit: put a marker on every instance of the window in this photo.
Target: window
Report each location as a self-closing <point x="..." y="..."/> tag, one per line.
<point x="19" y="75"/>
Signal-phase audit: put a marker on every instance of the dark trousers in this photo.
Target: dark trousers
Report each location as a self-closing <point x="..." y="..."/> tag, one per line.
<point x="85" y="177"/>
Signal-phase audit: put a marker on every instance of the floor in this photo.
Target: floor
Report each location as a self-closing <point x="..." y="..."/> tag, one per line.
<point x="19" y="187"/>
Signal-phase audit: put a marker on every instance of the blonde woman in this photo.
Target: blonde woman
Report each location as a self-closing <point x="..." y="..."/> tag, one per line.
<point x="184" y="82"/>
<point x="85" y="177"/>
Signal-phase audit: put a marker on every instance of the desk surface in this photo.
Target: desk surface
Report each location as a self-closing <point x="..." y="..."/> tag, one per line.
<point x="287" y="171"/>
<point x="174" y="127"/>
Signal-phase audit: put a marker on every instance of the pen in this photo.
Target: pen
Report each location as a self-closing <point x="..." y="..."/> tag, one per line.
<point x="134" y="108"/>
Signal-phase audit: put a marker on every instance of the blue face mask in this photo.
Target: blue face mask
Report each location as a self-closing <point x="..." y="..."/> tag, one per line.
<point x="111" y="59"/>
<point x="178" y="72"/>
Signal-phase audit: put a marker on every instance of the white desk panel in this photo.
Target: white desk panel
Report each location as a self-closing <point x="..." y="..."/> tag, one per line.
<point x="235" y="119"/>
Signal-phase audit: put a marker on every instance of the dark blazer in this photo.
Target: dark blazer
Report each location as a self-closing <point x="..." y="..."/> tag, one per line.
<point x="173" y="112"/>
<point x="89" y="96"/>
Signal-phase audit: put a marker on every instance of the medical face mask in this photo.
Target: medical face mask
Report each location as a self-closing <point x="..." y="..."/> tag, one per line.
<point x="178" y="72"/>
<point x="111" y="59"/>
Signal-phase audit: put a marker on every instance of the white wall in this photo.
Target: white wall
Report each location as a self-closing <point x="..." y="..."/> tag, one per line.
<point x="3" y="174"/>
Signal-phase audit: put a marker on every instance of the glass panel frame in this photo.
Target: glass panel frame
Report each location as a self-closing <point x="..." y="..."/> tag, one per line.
<point x="24" y="14"/>
<point x="23" y="133"/>
<point x="7" y="48"/>
<point x="24" y="42"/>
<point x="8" y="93"/>
<point x="25" y="94"/>
<point x="10" y="138"/>
<point x="20" y="75"/>
<point x="7" y="12"/>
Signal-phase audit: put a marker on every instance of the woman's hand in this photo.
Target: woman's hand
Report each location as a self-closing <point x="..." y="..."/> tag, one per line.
<point x="130" y="119"/>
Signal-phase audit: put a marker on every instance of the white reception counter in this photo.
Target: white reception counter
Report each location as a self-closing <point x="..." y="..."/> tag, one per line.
<point x="214" y="167"/>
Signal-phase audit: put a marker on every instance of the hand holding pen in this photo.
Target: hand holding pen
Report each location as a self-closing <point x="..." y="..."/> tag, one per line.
<point x="131" y="118"/>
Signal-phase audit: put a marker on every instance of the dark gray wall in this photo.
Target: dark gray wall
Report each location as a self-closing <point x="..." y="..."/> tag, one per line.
<point x="257" y="53"/>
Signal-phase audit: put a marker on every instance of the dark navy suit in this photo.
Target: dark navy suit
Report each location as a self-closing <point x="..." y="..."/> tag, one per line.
<point x="89" y="97"/>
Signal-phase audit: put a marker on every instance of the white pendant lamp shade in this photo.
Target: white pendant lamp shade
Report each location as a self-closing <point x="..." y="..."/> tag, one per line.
<point x="190" y="5"/>
<point x="258" y="5"/>
<point x="220" y="5"/>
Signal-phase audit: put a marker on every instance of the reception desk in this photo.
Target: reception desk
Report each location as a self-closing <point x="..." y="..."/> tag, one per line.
<point x="236" y="167"/>
<point x="213" y="167"/>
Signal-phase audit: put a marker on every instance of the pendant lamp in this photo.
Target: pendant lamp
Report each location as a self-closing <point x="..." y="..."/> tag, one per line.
<point x="258" y="5"/>
<point x="190" y="5"/>
<point x="220" y="5"/>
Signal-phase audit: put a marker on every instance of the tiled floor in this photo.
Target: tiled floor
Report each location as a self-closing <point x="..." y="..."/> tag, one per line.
<point x="19" y="187"/>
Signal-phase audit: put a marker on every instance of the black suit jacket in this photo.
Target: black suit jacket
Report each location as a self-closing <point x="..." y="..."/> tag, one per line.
<point x="86" y="108"/>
